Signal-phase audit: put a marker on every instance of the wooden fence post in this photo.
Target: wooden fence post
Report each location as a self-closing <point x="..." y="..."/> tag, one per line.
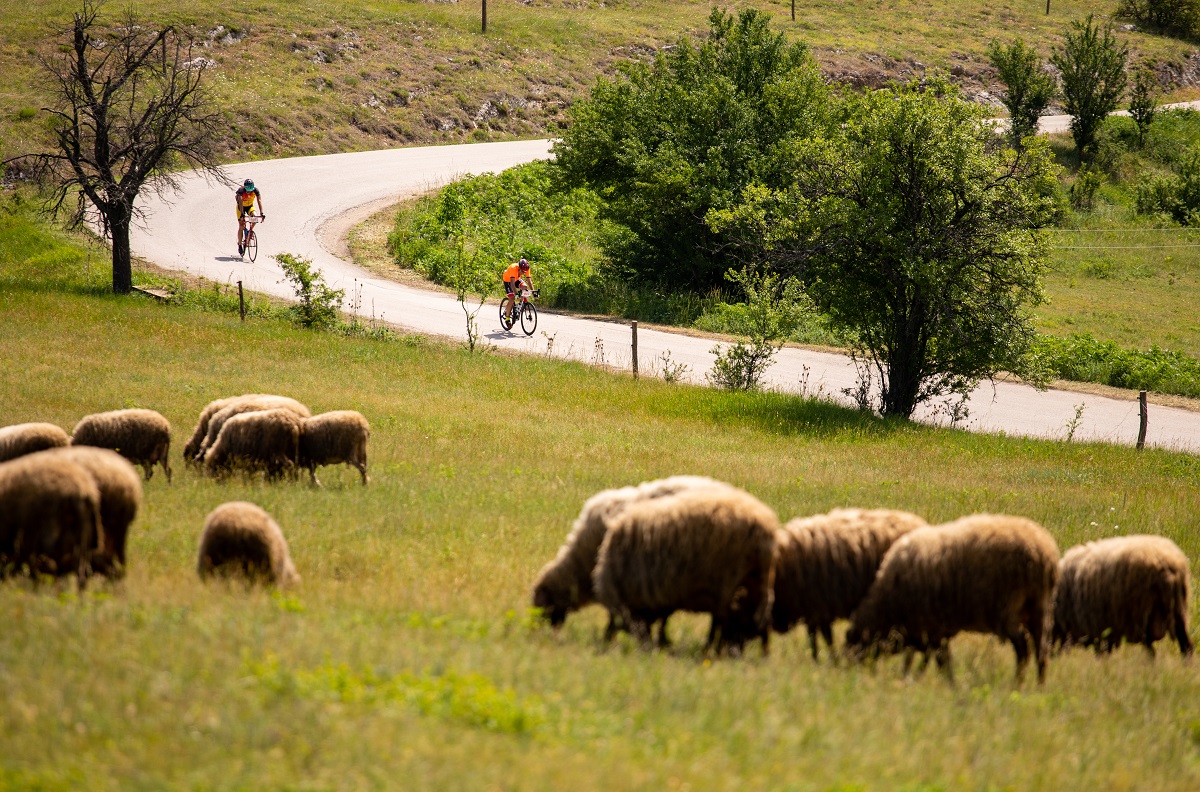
<point x="1141" y="443"/>
<point x="635" y="366"/>
<point x="241" y="302"/>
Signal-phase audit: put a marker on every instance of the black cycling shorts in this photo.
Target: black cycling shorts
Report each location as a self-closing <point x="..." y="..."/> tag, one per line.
<point x="510" y="287"/>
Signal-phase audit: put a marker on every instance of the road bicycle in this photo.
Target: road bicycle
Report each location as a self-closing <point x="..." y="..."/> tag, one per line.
<point x="249" y="238"/>
<point x="525" y="309"/>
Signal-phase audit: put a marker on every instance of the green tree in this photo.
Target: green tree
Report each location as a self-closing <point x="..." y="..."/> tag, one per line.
<point x="1092" y="66"/>
<point x="1028" y="89"/>
<point x="317" y="303"/>
<point x="665" y="143"/>
<point x="1142" y="104"/>
<point x="775" y="307"/>
<point x="917" y="235"/>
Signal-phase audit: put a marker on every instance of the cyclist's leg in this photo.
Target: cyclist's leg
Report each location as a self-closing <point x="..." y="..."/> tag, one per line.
<point x="241" y="234"/>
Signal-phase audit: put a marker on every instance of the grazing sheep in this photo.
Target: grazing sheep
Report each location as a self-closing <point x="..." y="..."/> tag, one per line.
<point x="28" y="438"/>
<point x="245" y="405"/>
<point x="564" y="585"/>
<point x="983" y="573"/>
<point x="120" y="498"/>
<point x="827" y="563"/>
<point x="709" y="550"/>
<point x="141" y="436"/>
<point x="192" y="447"/>
<point x="267" y="439"/>
<point x="51" y="513"/>
<point x="1132" y="588"/>
<point x="241" y="540"/>
<point x="338" y="437"/>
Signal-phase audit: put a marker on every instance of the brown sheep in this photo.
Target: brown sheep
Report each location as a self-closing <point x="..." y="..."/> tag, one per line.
<point x="51" y="514"/>
<point x="1128" y="588"/>
<point x="564" y="585"/>
<point x="338" y="437"/>
<point x="241" y="540"/>
<point x="245" y="405"/>
<point x="141" y="436"/>
<point x="192" y="447"/>
<point x="120" y="498"/>
<point x="28" y="438"/>
<point x="827" y="564"/>
<point x="709" y="550"/>
<point x="266" y="439"/>
<point x="983" y="573"/>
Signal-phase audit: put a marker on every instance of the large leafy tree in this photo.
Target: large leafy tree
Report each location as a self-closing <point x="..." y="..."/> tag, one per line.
<point x="130" y="110"/>
<point x="917" y="231"/>
<point x="666" y="143"/>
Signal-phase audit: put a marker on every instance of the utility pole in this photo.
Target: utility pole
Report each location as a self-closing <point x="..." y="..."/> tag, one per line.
<point x="485" y="13"/>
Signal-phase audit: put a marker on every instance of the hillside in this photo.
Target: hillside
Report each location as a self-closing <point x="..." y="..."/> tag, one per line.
<point x="321" y="77"/>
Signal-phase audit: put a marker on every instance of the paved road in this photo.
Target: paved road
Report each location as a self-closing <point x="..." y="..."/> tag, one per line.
<point x="309" y="198"/>
<point x="1053" y="124"/>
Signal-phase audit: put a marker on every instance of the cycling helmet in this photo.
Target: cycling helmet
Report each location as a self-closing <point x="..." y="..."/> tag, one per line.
<point x="524" y="265"/>
<point x="249" y="185"/>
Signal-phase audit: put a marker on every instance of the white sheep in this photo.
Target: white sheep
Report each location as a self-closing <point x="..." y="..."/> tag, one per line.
<point x="337" y="437"/>
<point x="141" y="436"/>
<point x="241" y="540"/>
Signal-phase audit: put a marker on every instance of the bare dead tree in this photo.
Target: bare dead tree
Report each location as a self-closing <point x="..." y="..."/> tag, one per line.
<point x="131" y="112"/>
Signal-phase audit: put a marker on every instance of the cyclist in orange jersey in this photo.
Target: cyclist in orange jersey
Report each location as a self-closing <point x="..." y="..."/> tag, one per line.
<point x="245" y="205"/>
<point x="512" y="278"/>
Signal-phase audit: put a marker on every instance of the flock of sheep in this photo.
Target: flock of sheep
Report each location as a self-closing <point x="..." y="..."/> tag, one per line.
<point x="68" y="501"/>
<point x="695" y="544"/>
<point x="685" y="543"/>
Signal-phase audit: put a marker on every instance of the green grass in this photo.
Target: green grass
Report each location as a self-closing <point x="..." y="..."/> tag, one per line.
<point x="324" y="76"/>
<point x="407" y="657"/>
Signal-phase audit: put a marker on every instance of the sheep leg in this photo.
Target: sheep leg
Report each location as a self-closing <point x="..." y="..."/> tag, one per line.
<point x="611" y="629"/>
<point x="827" y="634"/>
<point x="942" y="655"/>
<point x="1020" y="643"/>
<point x="663" y="641"/>
<point x="148" y="467"/>
<point x="362" y="469"/>
<point x="1181" y="633"/>
<point x="812" y="642"/>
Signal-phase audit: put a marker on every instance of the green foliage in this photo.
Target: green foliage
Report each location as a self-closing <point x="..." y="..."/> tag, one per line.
<point x="774" y="308"/>
<point x="1177" y="195"/>
<point x="1142" y="104"/>
<point x="666" y="143"/>
<point x="1174" y="17"/>
<point x="916" y="235"/>
<point x="1028" y="89"/>
<point x="1082" y="358"/>
<point x="466" y="234"/>
<point x="318" y="304"/>
<point x="1091" y="63"/>
<point x="1083" y="190"/>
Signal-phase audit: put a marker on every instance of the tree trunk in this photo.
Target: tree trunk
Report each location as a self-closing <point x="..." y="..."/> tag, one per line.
<point x="122" y="281"/>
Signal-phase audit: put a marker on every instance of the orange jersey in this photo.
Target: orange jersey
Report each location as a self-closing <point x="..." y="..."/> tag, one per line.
<point x="246" y="199"/>
<point x="512" y="274"/>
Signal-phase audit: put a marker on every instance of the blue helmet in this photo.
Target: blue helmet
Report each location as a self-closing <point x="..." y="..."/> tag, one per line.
<point x="248" y="185"/>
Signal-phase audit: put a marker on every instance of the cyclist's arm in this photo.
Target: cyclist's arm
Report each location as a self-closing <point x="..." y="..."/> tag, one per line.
<point x="261" y="209"/>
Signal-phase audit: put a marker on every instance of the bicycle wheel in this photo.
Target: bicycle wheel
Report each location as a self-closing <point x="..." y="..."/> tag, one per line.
<point x="506" y="317"/>
<point x="528" y="318"/>
<point x="251" y="244"/>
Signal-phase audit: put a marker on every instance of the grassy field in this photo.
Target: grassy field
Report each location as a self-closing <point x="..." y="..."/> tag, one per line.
<point x="408" y="658"/>
<point x="320" y="77"/>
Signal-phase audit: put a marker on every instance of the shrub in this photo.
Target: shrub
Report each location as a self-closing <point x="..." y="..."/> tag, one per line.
<point x="1082" y="358"/>
<point x="318" y="305"/>
<point x="1028" y="89"/>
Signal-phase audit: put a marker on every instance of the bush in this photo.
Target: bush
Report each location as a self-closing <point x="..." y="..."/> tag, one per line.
<point x="318" y="304"/>
<point x="1082" y="358"/>
<point x="491" y="220"/>
<point x="1177" y="195"/>
<point x="1176" y="17"/>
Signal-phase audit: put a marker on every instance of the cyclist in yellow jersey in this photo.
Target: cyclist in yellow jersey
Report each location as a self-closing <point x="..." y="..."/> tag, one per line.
<point x="245" y="205"/>
<point x="512" y="278"/>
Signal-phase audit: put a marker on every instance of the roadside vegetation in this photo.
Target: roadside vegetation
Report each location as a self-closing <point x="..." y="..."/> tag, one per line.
<point x="408" y="651"/>
<point x="1135" y="184"/>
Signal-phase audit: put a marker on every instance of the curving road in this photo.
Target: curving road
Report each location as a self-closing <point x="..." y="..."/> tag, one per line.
<point x="311" y="202"/>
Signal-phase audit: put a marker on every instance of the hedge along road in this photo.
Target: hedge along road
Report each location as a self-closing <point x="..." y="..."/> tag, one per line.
<point x="312" y="201"/>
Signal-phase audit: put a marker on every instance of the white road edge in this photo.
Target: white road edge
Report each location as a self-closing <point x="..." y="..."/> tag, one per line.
<point x="195" y="231"/>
